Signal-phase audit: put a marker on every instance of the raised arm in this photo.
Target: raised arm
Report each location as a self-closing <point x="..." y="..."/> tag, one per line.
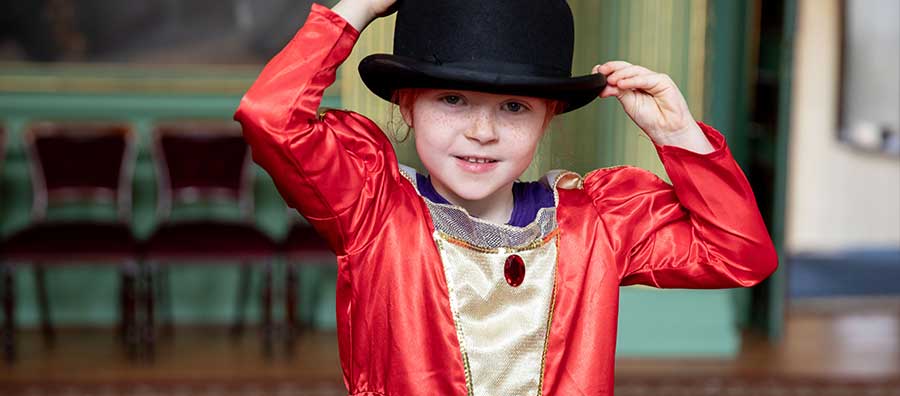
<point x="332" y="167"/>
<point x="703" y="231"/>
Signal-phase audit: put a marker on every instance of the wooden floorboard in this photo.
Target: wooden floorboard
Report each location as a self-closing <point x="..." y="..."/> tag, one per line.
<point x="852" y="344"/>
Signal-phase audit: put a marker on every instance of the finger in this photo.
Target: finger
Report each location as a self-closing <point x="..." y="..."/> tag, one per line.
<point x="610" y="90"/>
<point x="627" y="72"/>
<point x="653" y="83"/>
<point x="610" y="67"/>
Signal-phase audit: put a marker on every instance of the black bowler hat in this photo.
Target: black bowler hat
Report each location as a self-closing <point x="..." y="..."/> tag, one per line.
<point x="518" y="47"/>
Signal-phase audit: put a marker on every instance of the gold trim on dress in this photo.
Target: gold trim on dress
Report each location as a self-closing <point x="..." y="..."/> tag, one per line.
<point x="503" y="331"/>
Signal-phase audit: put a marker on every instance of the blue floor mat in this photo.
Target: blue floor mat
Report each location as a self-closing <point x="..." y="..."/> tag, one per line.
<point x="870" y="272"/>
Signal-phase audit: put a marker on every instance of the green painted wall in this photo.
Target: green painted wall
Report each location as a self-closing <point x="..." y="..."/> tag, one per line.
<point x="677" y="323"/>
<point x="778" y="291"/>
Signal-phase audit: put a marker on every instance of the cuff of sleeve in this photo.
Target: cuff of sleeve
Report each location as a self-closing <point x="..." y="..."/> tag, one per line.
<point x="331" y="16"/>
<point x="716" y="139"/>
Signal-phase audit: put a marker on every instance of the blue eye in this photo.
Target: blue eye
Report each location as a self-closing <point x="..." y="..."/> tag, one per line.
<point x="514" y="107"/>
<point x="452" y="99"/>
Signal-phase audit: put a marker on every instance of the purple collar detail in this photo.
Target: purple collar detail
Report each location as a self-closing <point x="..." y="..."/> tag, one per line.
<point x="528" y="199"/>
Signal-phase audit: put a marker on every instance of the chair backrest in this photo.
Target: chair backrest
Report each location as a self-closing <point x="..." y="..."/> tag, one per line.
<point x="202" y="161"/>
<point x="80" y="161"/>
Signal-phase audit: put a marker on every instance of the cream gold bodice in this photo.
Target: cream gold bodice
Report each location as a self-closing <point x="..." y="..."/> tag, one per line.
<point x="502" y="328"/>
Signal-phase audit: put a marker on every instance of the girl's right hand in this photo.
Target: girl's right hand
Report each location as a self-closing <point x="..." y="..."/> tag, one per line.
<point x="361" y="12"/>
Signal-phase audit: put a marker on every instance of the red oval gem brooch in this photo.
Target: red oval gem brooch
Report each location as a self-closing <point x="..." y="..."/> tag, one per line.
<point x="514" y="270"/>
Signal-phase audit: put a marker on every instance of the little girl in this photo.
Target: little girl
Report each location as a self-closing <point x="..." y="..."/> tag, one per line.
<point x="465" y="281"/>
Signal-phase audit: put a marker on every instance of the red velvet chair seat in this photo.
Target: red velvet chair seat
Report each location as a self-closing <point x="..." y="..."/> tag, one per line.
<point x="304" y="242"/>
<point x="208" y="239"/>
<point x="53" y="242"/>
<point x="75" y="162"/>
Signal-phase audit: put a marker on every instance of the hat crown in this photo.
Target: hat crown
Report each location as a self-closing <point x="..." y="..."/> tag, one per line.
<point x="536" y="36"/>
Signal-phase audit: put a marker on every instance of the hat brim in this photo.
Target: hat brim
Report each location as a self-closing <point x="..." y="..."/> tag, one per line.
<point x="384" y="73"/>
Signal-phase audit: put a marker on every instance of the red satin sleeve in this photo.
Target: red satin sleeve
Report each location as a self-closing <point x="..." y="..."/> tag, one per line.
<point x="703" y="231"/>
<point x="330" y="168"/>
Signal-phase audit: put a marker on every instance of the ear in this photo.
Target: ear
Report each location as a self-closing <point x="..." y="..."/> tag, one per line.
<point x="406" y="113"/>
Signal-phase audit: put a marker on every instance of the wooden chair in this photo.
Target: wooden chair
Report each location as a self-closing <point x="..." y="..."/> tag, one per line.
<point x="75" y="162"/>
<point x="301" y="247"/>
<point x="205" y="163"/>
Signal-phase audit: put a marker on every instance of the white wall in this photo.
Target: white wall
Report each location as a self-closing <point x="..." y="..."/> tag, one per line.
<point x="838" y="197"/>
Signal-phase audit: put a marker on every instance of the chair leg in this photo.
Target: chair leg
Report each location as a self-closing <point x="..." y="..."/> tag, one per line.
<point x="124" y="314"/>
<point x="128" y="302"/>
<point x="44" y="305"/>
<point x="268" y="328"/>
<point x="149" y="292"/>
<point x="290" y="310"/>
<point x="9" y="312"/>
<point x="240" y="304"/>
<point x="162" y="282"/>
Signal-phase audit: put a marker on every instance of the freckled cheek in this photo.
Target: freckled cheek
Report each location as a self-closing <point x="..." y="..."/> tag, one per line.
<point x="522" y="145"/>
<point x="456" y="123"/>
<point x="443" y="135"/>
<point x="525" y="136"/>
<point x="524" y="154"/>
<point x="432" y="145"/>
<point x="431" y="159"/>
<point x="444" y="121"/>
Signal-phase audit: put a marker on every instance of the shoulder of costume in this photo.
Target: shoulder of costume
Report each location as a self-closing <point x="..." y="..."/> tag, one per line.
<point x="322" y="111"/>
<point x="561" y="178"/>
<point x="622" y="180"/>
<point x="352" y="120"/>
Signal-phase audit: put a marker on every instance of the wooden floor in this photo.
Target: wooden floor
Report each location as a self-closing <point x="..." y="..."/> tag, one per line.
<point x="846" y="339"/>
<point x="849" y="340"/>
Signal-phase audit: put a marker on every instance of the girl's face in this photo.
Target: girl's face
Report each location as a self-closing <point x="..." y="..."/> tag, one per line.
<point x="475" y="144"/>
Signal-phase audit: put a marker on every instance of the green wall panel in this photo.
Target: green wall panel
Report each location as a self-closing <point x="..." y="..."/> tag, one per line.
<point x="677" y="323"/>
<point x="86" y="295"/>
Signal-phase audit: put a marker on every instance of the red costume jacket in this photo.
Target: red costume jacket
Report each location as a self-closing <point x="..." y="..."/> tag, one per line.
<point x="410" y="317"/>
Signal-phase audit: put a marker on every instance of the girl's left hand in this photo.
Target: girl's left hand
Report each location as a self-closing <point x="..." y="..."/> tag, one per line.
<point x="652" y="100"/>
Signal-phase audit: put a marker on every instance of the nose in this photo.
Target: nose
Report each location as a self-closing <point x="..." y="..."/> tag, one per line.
<point x="482" y="129"/>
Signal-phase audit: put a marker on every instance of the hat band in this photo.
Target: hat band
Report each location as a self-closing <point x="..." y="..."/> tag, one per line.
<point x="507" y="68"/>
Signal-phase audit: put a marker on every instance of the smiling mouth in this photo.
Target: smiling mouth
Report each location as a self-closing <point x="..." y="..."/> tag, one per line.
<point x="476" y="160"/>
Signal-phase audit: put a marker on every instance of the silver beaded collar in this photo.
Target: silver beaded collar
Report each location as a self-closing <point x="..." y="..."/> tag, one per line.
<point x="458" y="224"/>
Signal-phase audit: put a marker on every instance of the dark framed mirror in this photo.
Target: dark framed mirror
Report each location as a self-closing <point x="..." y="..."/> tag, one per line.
<point x="148" y="32"/>
<point x="869" y="112"/>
